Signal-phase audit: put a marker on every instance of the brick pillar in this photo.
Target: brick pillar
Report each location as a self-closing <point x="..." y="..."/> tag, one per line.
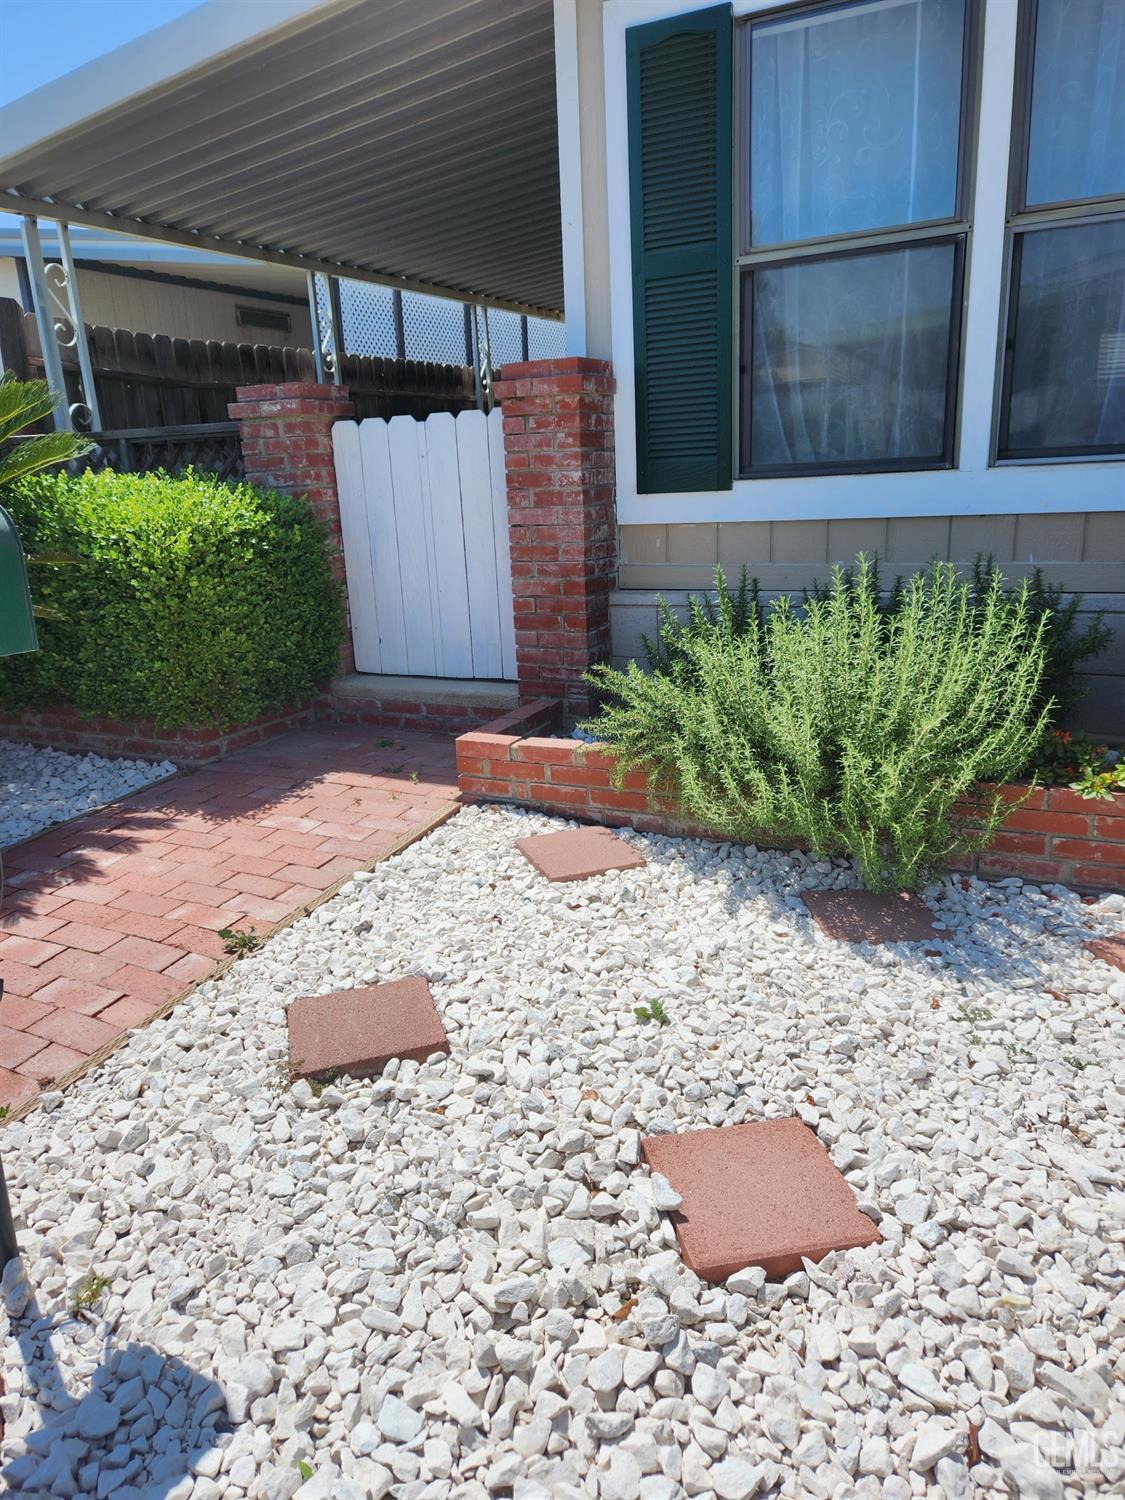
<point x="558" y="454"/>
<point x="286" y="436"/>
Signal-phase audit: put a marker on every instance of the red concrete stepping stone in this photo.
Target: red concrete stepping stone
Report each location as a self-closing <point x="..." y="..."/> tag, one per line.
<point x="763" y="1194"/>
<point x="359" y="1031"/>
<point x="1111" y="950"/>
<point x="578" y="853"/>
<point x="869" y="917"/>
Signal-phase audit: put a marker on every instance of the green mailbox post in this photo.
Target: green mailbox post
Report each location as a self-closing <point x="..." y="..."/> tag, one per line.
<point x="17" y="634"/>
<point x="17" y="623"/>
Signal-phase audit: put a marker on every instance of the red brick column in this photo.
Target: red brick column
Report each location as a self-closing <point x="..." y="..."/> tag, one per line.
<point x="558" y="453"/>
<point x="286" y="436"/>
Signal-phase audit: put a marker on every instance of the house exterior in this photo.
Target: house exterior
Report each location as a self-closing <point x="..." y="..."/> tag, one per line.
<point x="866" y="271"/>
<point x="847" y="276"/>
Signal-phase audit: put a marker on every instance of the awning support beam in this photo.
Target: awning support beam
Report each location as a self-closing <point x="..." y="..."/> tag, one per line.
<point x="314" y="325"/>
<point x="45" y="323"/>
<point x="17" y="203"/>
<point x="85" y="366"/>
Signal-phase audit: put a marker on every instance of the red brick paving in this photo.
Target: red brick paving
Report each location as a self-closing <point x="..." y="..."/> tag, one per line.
<point x="1111" y="950"/>
<point x="358" y="1031"/>
<point x="578" y="853"/>
<point x="762" y="1194"/>
<point x="106" y="919"/>
<point x="870" y="917"/>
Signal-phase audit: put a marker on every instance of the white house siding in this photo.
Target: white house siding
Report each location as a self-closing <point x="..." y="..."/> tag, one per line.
<point x="145" y="306"/>
<point x="1085" y="552"/>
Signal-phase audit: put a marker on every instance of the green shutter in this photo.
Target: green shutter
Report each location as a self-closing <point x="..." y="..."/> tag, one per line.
<point x="680" y="179"/>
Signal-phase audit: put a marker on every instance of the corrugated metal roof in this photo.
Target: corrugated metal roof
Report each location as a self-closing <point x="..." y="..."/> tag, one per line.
<point x="413" y="140"/>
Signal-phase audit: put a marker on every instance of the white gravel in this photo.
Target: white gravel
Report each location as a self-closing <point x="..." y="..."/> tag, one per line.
<point x="40" y="787"/>
<point x="412" y="1286"/>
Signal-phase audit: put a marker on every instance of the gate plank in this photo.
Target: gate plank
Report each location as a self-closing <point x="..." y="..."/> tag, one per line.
<point x="451" y="589"/>
<point x="499" y="486"/>
<point x="374" y="447"/>
<point x="413" y="564"/>
<point x="480" y="547"/>
<point x="357" y="547"/>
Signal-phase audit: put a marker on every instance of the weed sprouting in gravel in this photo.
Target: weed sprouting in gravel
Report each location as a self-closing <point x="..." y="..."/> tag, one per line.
<point x="89" y="1292"/>
<point x="238" y="942"/>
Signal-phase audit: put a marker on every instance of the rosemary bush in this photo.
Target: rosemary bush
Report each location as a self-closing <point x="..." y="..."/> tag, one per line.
<point x="850" y="728"/>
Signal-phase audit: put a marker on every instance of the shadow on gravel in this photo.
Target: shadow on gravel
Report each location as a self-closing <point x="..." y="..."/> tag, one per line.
<point x="146" y="1420"/>
<point x="993" y="938"/>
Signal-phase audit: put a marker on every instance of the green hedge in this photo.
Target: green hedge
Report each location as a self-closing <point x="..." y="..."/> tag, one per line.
<point x="186" y="601"/>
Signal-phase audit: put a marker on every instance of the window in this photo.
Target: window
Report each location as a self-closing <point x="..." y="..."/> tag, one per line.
<point x="853" y="228"/>
<point x="1063" y="391"/>
<point x="262" y="317"/>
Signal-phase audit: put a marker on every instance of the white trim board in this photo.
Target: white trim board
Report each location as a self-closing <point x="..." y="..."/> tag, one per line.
<point x="973" y="488"/>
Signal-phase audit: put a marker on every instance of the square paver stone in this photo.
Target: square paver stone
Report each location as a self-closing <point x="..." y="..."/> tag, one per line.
<point x="1111" y="950"/>
<point x="763" y="1194"/>
<point x="359" y="1031"/>
<point x="870" y="917"/>
<point x="578" y="853"/>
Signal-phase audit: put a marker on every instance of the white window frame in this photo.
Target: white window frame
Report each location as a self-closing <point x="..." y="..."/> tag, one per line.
<point x="977" y="485"/>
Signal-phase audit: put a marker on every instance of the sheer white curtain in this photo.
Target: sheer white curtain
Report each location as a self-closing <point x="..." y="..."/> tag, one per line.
<point x="1068" y="364"/>
<point x="1076" y="146"/>
<point x="849" y="358"/>
<point x="855" y="117"/>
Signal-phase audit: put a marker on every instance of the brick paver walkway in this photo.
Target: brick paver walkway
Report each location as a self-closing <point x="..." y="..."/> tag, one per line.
<point x="106" y="920"/>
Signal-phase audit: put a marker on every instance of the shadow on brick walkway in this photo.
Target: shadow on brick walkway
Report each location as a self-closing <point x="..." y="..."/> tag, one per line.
<point x="109" y="918"/>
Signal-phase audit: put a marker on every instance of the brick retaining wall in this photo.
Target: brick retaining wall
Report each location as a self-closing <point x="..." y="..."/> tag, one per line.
<point x="1056" y="836"/>
<point x="66" y="729"/>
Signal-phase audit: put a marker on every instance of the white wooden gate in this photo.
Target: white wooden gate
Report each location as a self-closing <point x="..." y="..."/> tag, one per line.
<point x="424" y="514"/>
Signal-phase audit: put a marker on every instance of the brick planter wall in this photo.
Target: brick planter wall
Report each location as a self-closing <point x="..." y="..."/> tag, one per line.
<point x="406" y="713"/>
<point x="1055" y="837"/>
<point x="66" y="729"/>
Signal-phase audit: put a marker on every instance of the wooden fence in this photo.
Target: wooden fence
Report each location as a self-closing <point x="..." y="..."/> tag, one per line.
<point x="153" y="382"/>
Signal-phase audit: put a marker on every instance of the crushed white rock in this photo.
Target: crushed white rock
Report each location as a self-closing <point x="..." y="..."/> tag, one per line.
<point x="40" y="787"/>
<point x="456" y="1280"/>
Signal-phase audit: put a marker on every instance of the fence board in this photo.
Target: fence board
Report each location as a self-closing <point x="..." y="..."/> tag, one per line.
<point x="451" y="582"/>
<point x="480" y="544"/>
<point x="357" y="546"/>
<point x="413" y="564"/>
<point x="507" y="617"/>
<point x="374" y="444"/>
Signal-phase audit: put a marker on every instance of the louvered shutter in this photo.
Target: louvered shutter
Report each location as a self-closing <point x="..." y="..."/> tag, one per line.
<point x="680" y="181"/>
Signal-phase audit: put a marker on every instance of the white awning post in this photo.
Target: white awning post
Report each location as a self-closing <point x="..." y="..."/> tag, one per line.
<point x="86" y="368"/>
<point x="478" y="373"/>
<point x="336" y="329"/>
<point x="314" y="322"/>
<point x="45" y="323"/>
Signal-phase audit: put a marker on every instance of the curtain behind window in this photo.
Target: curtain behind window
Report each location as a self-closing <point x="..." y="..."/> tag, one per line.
<point x="854" y="118"/>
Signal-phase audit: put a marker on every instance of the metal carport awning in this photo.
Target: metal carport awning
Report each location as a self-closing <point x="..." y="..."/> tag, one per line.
<point x="407" y="142"/>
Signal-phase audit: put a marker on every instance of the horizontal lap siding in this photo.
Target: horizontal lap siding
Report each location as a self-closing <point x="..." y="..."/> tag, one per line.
<point x="1085" y="553"/>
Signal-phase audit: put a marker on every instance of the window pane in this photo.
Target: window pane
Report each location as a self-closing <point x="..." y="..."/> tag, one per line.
<point x="855" y="118"/>
<point x="1066" y="389"/>
<point x="849" y="359"/>
<point x="1076" y="143"/>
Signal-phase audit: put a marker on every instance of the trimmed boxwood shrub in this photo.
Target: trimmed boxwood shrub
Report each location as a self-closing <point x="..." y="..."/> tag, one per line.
<point x="186" y="601"/>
